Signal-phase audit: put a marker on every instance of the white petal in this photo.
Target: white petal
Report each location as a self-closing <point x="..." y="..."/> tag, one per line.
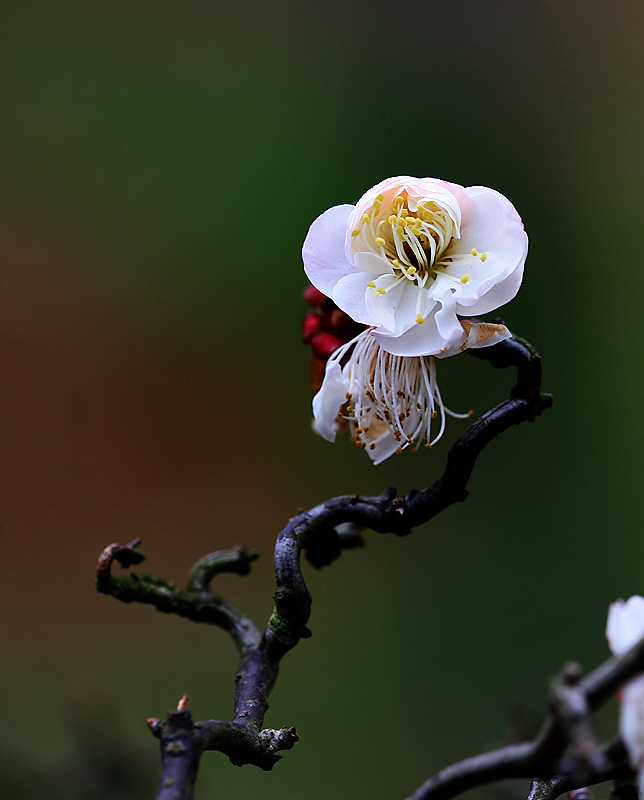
<point x="447" y="322"/>
<point x="497" y="296"/>
<point x="350" y="294"/>
<point x="625" y="624"/>
<point x="631" y="725"/>
<point x="423" y="339"/>
<point x="323" y="251"/>
<point x="384" y="448"/>
<point x="328" y="400"/>
<point x="492" y="226"/>
<point x="372" y="263"/>
<point x="482" y="278"/>
<point x="395" y="312"/>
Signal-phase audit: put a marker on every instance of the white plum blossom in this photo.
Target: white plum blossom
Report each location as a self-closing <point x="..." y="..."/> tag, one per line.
<point x="386" y="401"/>
<point x="624" y="629"/>
<point x="414" y="253"/>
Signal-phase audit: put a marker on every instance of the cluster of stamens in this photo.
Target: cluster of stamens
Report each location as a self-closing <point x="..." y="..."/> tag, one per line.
<point x="415" y="242"/>
<point x="390" y="394"/>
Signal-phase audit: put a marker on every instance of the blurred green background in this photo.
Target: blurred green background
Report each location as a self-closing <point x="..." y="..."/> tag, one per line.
<point x="161" y="163"/>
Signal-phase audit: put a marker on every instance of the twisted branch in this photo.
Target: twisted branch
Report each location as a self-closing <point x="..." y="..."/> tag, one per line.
<point x="322" y="532"/>
<point x="566" y="754"/>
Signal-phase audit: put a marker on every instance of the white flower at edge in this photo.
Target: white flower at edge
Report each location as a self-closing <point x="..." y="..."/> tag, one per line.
<point x="624" y="629"/>
<point x="412" y="254"/>
<point x="388" y="402"/>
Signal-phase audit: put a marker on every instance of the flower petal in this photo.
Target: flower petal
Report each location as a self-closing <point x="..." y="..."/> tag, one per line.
<point x="328" y="400"/>
<point x="423" y="339"/>
<point x="323" y="250"/>
<point x="480" y="334"/>
<point x="631" y="724"/>
<point x="625" y="624"/>
<point x="492" y="227"/>
<point x="351" y="294"/>
<point x="496" y="296"/>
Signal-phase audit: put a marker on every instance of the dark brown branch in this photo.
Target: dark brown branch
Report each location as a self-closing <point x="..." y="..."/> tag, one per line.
<point x="316" y="530"/>
<point x="197" y="602"/>
<point x="323" y="532"/>
<point x="566" y="754"/>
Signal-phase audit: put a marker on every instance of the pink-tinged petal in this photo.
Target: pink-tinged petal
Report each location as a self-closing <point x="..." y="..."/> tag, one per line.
<point x="625" y="624"/>
<point x="492" y="225"/>
<point x="328" y="400"/>
<point x="323" y="252"/>
<point x="415" y="188"/>
<point x="489" y="218"/>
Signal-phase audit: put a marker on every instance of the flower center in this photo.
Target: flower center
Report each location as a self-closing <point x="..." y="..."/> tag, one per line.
<point x="413" y="236"/>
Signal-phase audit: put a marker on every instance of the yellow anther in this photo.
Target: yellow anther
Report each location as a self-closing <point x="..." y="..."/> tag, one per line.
<point x="401" y="232"/>
<point x="483" y="256"/>
<point x="434" y="414"/>
<point x="470" y="413"/>
<point x="399" y="450"/>
<point x="474" y="251"/>
<point x="371" y="285"/>
<point x="381" y="290"/>
<point x="348" y="395"/>
<point x="380" y="240"/>
<point x="428" y="446"/>
<point x="349" y="409"/>
<point x="356" y="232"/>
<point x="420" y="319"/>
<point x="396" y="263"/>
<point x="380" y="198"/>
<point x="402" y="221"/>
<point x="359" y="431"/>
<point x="412" y="270"/>
<point x="366" y="218"/>
<point x="391" y="218"/>
<point x="465" y="278"/>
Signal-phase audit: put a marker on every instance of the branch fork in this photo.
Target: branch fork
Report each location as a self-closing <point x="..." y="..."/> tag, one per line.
<point x="322" y="533"/>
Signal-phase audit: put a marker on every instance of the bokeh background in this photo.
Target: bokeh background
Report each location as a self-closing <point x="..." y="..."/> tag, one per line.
<point x="161" y="163"/>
